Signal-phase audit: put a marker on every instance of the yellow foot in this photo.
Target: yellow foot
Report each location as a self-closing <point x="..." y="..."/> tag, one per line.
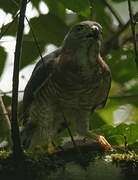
<point x="104" y="144"/>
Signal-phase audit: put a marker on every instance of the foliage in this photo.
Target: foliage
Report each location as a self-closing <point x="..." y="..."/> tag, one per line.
<point x="50" y="28"/>
<point x="2" y="57"/>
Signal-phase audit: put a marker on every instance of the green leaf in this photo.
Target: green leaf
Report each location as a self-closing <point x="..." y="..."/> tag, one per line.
<point x="35" y="3"/>
<point x="132" y="87"/>
<point x="9" y="6"/>
<point x="106" y="113"/>
<point x="30" y="52"/>
<point x="48" y="29"/>
<point x="120" y="132"/>
<point x="81" y="7"/>
<point x="116" y="103"/>
<point x="116" y="135"/>
<point x="9" y="29"/>
<point x="122" y="65"/>
<point x="109" y="132"/>
<point x="3" y="56"/>
<point x="56" y="8"/>
<point x="122" y="0"/>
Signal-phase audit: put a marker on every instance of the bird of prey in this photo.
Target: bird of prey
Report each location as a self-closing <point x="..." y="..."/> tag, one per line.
<point x="69" y="83"/>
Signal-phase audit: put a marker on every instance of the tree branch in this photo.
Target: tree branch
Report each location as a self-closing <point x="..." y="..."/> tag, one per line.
<point x="124" y="96"/>
<point x="3" y="32"/>
<point x="133" y="24"/>
<point x="113" y="40"/>
<point x="5" y="126"/>
<point x="9" y="92"/>
<point x="91" y="11"/>
<point x="17" y="150"/>
<point x="33" y="34"/>
<point x="113" y="12"/>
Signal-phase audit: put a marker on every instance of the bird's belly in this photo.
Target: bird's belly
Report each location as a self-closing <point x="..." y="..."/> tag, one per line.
<point x="72" y="93"/>
<point x="84" y="95"/>
<point x="79" y="98"/>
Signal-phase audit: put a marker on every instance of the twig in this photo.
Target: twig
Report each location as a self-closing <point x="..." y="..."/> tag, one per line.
<point x="113" y="12"/>
<point x="70" y="133"/>
<point x="5" y="122"/>
<point x="3" y="32"/>
<point x="9" y="92"/>
<point x="129" y="39"/>
<point x="124" y="96"/>
<point x="71" y="136"/>
<point x="91" y="4"/>
<point x="110" y="97"/>
<point x="133" y="23"/>
<point x="111" y="41"/>
<point x="33" y="34"/>
<point x="110" y="8"/>
<point x="36" y="42"/>
<point x="17" y="150"/>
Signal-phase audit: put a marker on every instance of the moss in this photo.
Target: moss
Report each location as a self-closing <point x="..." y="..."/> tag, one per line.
<point x="69" y="165"/>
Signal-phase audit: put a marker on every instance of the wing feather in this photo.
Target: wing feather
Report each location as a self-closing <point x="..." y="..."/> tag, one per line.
<point x="41" y="72"/>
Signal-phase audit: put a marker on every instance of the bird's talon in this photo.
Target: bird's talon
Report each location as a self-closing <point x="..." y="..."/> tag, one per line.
<point x="104" y="144"/>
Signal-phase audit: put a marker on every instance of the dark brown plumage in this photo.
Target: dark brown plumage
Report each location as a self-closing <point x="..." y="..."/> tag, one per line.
<point x="73" y="80"/>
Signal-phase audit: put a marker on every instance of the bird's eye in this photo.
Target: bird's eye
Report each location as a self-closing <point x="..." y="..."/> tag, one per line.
<point x="80" y="28"/>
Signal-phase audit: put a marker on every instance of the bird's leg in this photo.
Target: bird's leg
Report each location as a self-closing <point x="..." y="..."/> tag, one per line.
<point x="83" y="129"/>
<point x="70" y="133"/>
